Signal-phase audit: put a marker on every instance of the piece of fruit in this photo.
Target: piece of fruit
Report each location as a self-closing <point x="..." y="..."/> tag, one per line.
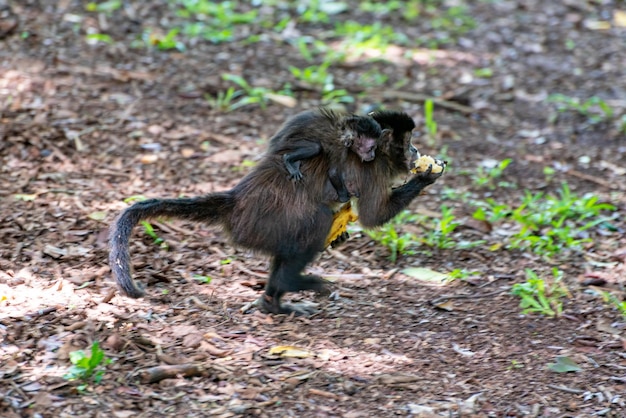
<point x="341" y="219"/>
<point x="425" y="161"/>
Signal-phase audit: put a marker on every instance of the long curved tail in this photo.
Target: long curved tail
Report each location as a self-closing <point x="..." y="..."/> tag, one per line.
<point x="212" y="209"/>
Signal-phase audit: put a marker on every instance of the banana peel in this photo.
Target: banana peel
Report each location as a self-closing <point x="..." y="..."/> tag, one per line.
<point x="341" y="219"/>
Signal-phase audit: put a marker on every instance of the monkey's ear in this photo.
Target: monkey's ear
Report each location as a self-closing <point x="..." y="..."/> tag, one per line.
<point x="386" y="138"/>
<point x="349" y="130"/>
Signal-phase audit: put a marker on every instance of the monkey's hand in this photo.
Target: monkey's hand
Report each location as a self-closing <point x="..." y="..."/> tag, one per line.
<point x="338" y="230"/>
<point x="340" y="240"/>
<point x="293" y="168"/>
<point x="431" y="172"/>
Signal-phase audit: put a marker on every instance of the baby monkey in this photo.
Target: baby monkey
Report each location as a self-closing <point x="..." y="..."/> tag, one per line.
<point x="334" y="134"/>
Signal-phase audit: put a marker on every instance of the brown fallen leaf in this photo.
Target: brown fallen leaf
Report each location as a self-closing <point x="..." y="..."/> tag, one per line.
<point x="213" y="350"/>
<point x="479" y="225"/>
<point x="192" y="340"/>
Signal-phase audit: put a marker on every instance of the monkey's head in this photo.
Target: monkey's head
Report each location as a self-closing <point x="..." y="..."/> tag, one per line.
<point x="396" y="144"/>
<point x="362" y="135"/>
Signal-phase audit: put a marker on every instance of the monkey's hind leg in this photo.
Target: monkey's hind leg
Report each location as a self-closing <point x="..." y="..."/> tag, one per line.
<point x="286" y="276"/>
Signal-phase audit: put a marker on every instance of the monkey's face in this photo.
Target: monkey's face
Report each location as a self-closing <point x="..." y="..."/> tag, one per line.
<point x="365" y="148"/>
<point x="402" y="152"/>
<point x="412" y="154"/>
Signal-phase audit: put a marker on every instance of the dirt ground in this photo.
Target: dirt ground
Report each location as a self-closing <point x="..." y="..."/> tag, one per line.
<point x="83" y="127"/>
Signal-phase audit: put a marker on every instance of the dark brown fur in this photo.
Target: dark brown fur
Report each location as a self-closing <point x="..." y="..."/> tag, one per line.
<point x="289" y="221"/>
<point x="329" y="132"/>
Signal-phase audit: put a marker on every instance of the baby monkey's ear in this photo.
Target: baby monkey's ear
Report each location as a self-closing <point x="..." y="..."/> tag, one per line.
<point x="349" y="130"/>
<point x="386" y="138"/>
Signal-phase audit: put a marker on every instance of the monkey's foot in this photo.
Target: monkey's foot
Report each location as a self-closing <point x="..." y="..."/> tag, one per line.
<point x="267" y="305"/>
<point x="300" y="309"/>
<point x="429" y="176"/>
<point x="315" y="283"/>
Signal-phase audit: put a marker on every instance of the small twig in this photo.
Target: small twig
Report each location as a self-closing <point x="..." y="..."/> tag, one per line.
<point x="40" y="312"/>
<point x="591" y="178"/>
<point x="566" y="389"/>
<point x="420" y="98"/>
<point x="199" y="303"/>
<point x="257" y="303"/>
<point x="170" y="228"/>
<point x="250" y="272"/>
<point x="324" y="394"/>
<point x="338" y="255"/>
<point x="107" y="298"/>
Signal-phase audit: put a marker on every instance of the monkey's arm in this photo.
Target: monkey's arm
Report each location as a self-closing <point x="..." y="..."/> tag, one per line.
<point x="376" y="212"/>
<point x="302" y="151"/>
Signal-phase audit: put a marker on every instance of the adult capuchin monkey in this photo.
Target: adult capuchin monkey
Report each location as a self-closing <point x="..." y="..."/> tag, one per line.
<point x="330" y="132"/>
<point x="269" y="213"/>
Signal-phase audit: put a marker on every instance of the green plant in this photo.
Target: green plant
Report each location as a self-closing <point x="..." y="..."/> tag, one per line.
<point x="315" y="75"/>
<point x="149" y="230"/>
<point x="249" y="94"/>
<point x="310" y="48"/>
<point x="429" y="121"/>
<point x="548" y="225"/>
<point x="381" y="8"/>
<point x="104" y="7"/>
<point x="202" y="279"/>
<point x="515" y="365"/>
<point x="134" y="198"/>
<point x="446" y="24"/>
<point x="359" y="38"/>
<point x="223" y="101"/>
<point x="549" y="173"/>
<point x="621" y="124"/>
<point x="540" y="296"/>
<point x="214" y="21"/>
<point x="318" y="76"/>
<point x="87" y="368"/>
<point x="491" y="211"/>
<point x="608" y="297"/>
<point x="318" y="11"/>
<point x="484" y="72"/>
<point x="373" y="78"/>
<point x="388" y="236"/>
<point x="552" y="223"/>
<point x="488" y="176"/>
<point x="168" y="41"/>
<point x="594" y="109"/>
<point x="94" y="38"/>
<point x="439" y="234"/>
<point x="462" y="274"/>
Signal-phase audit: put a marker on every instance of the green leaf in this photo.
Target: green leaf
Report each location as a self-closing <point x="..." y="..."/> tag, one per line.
<point x="77" y="356"/>
<point x="564" y="365"/>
